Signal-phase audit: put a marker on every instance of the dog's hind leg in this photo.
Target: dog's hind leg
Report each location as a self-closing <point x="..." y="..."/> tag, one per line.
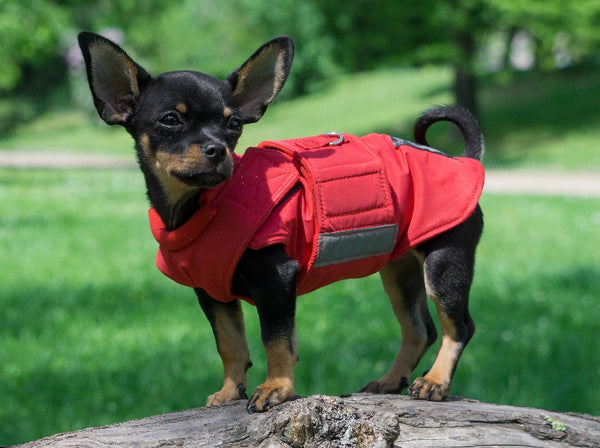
<point x="403" y="283"/>
<point x="448" y="267"/>
<point x="227" y="322"/>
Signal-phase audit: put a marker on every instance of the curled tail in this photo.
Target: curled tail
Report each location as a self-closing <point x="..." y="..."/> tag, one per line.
<point x="466" y="122"/>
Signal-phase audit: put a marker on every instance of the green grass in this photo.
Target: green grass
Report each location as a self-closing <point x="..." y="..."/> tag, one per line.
<point x="544" y="121"/>
<point x="68" y="130"/>
<point x="92" y="333"/>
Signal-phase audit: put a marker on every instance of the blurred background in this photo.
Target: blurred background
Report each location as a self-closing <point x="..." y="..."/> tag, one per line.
<point x="473" y="38"/>
<point x="91" y="333"/>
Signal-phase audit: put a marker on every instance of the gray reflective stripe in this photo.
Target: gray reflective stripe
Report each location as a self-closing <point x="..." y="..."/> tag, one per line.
<point x="348" y="245"/>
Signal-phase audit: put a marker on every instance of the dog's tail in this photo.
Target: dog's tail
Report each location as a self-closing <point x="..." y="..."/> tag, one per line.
<point x="466" y="122"/>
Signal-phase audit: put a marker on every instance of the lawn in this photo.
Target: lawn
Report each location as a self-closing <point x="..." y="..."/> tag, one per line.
<point x="92" y="333"/>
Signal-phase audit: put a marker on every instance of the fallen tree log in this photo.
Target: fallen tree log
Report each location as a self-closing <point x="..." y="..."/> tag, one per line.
<point x="360" y="420"/>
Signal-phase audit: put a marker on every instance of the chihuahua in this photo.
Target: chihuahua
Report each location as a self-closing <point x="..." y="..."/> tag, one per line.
<point x="290" y="216"/>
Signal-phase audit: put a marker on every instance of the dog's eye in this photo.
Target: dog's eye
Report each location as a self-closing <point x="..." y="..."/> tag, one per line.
<point x="171" y="119"/>
<point x="235" y="124"/>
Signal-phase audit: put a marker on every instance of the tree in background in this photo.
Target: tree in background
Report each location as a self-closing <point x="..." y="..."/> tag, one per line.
<point x="331" y="36"/>
<point x="217" y="36"/>
<point x="370" y="33"/>
<point x="29" y="38"/>
<point x="31" y="63"/>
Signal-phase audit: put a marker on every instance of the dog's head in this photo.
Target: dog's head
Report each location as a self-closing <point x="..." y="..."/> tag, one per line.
<point x="185" y="124"/>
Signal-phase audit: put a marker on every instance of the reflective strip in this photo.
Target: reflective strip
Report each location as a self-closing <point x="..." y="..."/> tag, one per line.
<point x="348" y="245"/>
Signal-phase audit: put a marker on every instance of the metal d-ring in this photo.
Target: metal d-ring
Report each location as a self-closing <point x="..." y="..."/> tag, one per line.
<point x="339" y="141"/>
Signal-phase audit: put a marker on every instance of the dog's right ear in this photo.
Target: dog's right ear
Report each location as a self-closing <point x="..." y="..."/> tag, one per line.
<point x="115" y="79"/>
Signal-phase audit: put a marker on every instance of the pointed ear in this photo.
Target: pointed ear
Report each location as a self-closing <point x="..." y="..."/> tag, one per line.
<point x="258" y="81"/>
<point x="115" y="79"/>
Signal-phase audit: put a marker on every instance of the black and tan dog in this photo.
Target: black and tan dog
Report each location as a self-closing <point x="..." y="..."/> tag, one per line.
<point x="186" y="125"/>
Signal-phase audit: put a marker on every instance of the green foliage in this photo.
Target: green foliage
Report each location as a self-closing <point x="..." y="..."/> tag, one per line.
<point x="547" y="22"/>
<point x="314" y="60"/>
<point x="369" y="33"/>
<point x="30" y="36"/>
<point x="189" y="35"/>
<point x="217" y="35"/>
<point x="93" y="334"/>
<point x="14" y="111"/>
<point x="31" y="39"/>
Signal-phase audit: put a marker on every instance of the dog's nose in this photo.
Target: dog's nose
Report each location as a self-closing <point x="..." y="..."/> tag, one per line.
<point x="214" y="151"/>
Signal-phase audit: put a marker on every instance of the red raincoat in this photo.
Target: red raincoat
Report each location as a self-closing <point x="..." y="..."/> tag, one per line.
<point x="341" y="211"/>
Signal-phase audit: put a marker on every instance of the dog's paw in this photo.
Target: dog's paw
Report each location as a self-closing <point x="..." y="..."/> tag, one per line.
<point x="229" y="393"/>
<point x="425" y="389"/>
<point x="271" y="393"/>
<point x="385" y="387"/>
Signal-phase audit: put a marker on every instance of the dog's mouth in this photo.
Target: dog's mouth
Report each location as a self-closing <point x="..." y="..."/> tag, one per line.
<point x="205" y="179"/>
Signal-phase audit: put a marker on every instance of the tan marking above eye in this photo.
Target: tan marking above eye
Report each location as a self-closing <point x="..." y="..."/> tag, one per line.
<point x="182" y="107"/>
<point x="227" y="112"/>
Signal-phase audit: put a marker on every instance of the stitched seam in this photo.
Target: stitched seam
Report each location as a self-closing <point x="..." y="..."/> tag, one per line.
<point x="330" y="261"/>
<point x="354" y="212"/>
<point x="333" y="179"/>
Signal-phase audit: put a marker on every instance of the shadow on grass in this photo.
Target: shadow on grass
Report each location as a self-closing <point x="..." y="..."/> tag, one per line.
<point x="539" y="110"/>
<point x="78" y="357"/>
<point x="563" y="100"/>
<point x="533" y="346"/>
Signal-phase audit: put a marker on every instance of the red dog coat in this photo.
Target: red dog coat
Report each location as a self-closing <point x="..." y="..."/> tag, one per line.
<point x="341" y="211"/>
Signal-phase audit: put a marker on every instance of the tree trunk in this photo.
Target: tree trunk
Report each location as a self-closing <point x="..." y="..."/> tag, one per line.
<point x="360" y="420"/>
<point x="465" y="80"/>
<point x="465" y="89"/>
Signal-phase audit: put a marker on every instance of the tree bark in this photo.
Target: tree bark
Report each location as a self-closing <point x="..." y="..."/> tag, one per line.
<point x="465" y="78"/>
<point x="465" y="89"/>
<point x="360" y="420"/>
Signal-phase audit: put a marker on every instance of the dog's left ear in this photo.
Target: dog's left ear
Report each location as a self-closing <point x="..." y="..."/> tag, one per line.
<point x="258" y="81"/>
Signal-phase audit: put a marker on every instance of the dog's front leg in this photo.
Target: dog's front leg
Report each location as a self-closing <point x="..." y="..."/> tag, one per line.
<point x="227" y="322"/>
<point x="272" y="275"/>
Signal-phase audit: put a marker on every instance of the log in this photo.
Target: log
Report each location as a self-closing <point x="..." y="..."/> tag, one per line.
<point x="359" y="420"/>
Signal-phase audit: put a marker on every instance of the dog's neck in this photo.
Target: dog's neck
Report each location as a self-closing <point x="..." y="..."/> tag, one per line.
<point x="172" y="214"/>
